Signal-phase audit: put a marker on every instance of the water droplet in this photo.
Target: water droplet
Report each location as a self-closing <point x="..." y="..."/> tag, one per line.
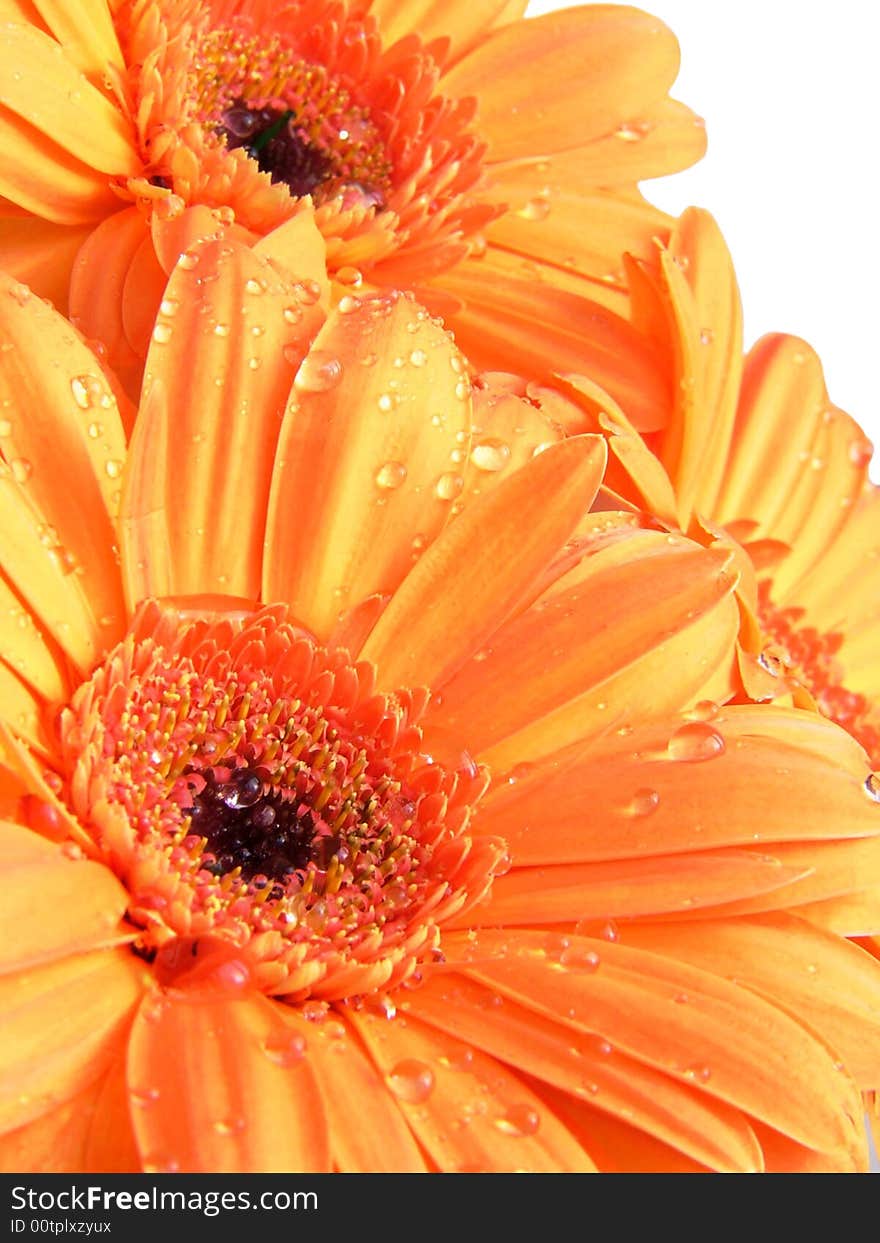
<point x="519" y="1122"/>
<point x="418" y="358"/>
<point x="113" y="468"/>
<point x="230" y="1126"/>
<point x="352" y="277"/>
<point x="448" y="487"/>
<point x="535" y="209"/>
<point x="700" y="1074"/>
<point x="411" y="1081"/>
<point x="632" y="131"/>
<point x="705" y="710"/>
<point x="233" y="975"/>
<point x="580" y="959"/>
<point x="318" y="372"/>
<point x="707" y="336"/>
<point x="872" y="786"/>
<point x="169" y="306"/>
<point x="490" y="455"/>
<point x="187" y="260"/>
<point x="292" y="314"/>
<point x="644" y="802"/>
<point x="391" y="476"/>
<point x="94" y="430"/>
<point x="21" y="469"/>
<point x="221" y="330"/>
<point x="861" y="451"/>
<point x="86" y="390"/>
<point x="253" y="287"/>
<point x="695" y="742"/>
<point x="143" y="1098"/>
<point x="162" y="334"/>
<point x="348" y="304"/>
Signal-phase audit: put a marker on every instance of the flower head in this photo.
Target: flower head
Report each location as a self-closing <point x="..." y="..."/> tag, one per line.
<point x="421" y="142"/>
<point x="344" y="765"/>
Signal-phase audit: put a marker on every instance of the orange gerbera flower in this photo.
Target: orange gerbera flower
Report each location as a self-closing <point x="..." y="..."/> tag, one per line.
<point x="411" y="798"/>
<point x="412" y="127"/>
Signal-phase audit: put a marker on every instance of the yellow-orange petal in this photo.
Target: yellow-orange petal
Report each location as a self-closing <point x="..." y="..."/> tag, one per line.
<point x="351" y="1087"/>
<point x="53" y="904"/>
<point x="462" y="24"/>
<point x="213" y="1089"/>
<point x="378" y="410"/>
<point x="62" y="1024"/>
<point x="478" y="571"/>
<point x="600" y="63"/>
<point x="589" y="1072"/>
<point x="613" y="625"/>
<point x="733" y="1044"/>
<point x="502" y="302"/>
<point x="251" y="328"/>
<point x="48" y="92"/>
<point x="437" y="1080"/>
<point x="59" y="547"/>
<point x="827" y="982"/>
<point x="778" y="787"/>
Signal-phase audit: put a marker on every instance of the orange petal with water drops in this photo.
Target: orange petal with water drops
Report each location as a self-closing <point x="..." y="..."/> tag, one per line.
<point x="777" y="790"/>
<point x="586" y="233"/>
<point x="62" y="1024"/>
<point x="572" y="644"/>
<point x="587" y="1071"/>
<point x="633" y="889"/>
<point x="48" y="92"/>
<point x="468" y="1111"/>
<point x="54" y="905"/>
<point x="214" y="433"/>
<point x="722" y="1038"/>
<point x="366" y="459"/>
<point x="825" y="981"/>
<point x="481" y="566"/>
<point x="256" y="1110"/>
<point x="298" y="247"/>
<point x="28" y="651"/>
<point x="664" y="138"/>
<point x="600" y="63"/>
<point x="503" y="301"/>
<point x="40" y="254"/>
<point x="351" y="1087"/>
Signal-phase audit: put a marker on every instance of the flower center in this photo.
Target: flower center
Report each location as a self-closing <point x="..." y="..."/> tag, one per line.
<point x="297" y="121"/>
<point x="248" y="785"/>
<point x="811" y="657"/>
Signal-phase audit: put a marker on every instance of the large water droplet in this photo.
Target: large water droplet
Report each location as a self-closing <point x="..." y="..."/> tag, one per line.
<point x="449" y="486"/>
<point x="318" y="372"/>
<point x="694" y="742"/>
<point x="162" y="333"/>
<point x="390" y="476"/>
<point x="411" y="1081"/>
<point x="519" y="1122"/>
<point x="490" y="455"/>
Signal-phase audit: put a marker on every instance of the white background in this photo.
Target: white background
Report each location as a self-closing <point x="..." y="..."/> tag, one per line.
<point x="790" y="91"/>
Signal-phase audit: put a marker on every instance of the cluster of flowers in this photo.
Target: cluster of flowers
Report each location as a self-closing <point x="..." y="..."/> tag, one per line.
<point x="439" y="679"/>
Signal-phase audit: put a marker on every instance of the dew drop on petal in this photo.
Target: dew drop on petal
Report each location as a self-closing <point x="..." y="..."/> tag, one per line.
<point x="232" y="975"/>
<point x="580" y="959"/>
<point x="644" y="802"/>
<point x="229" y="1126"/>
<point x="113" y="468"/>
<point x="519" y="1122"/>
<point x="319" y="371"/>
<point x="705" y="710"/>
<point x="143" y="1098"/>
<point x="872" y="786"/>
<point x="418" y="358"/>
<point x="162" y="333"/>
<point x="411" y="1081"/>
<point x="390" y="476"/>
<point x="348" y="304"/>
<point x="490" y="455"/>
<point x="694" y="742"/>
<point x="449" y="486"/>
<point x="21" y="469"/>
<point x="535" y="209"/>
<point x="861" y="450"/>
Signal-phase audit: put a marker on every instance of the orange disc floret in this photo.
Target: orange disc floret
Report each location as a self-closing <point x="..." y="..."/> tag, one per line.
<point x="252" y="788"/>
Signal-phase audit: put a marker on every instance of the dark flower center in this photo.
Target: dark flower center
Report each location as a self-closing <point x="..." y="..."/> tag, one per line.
<point x="272" y="138"/>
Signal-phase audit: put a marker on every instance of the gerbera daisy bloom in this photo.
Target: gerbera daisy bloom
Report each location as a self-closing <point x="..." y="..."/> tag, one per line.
<point x="353" y="768"/>
<point x="431" y="139"/>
